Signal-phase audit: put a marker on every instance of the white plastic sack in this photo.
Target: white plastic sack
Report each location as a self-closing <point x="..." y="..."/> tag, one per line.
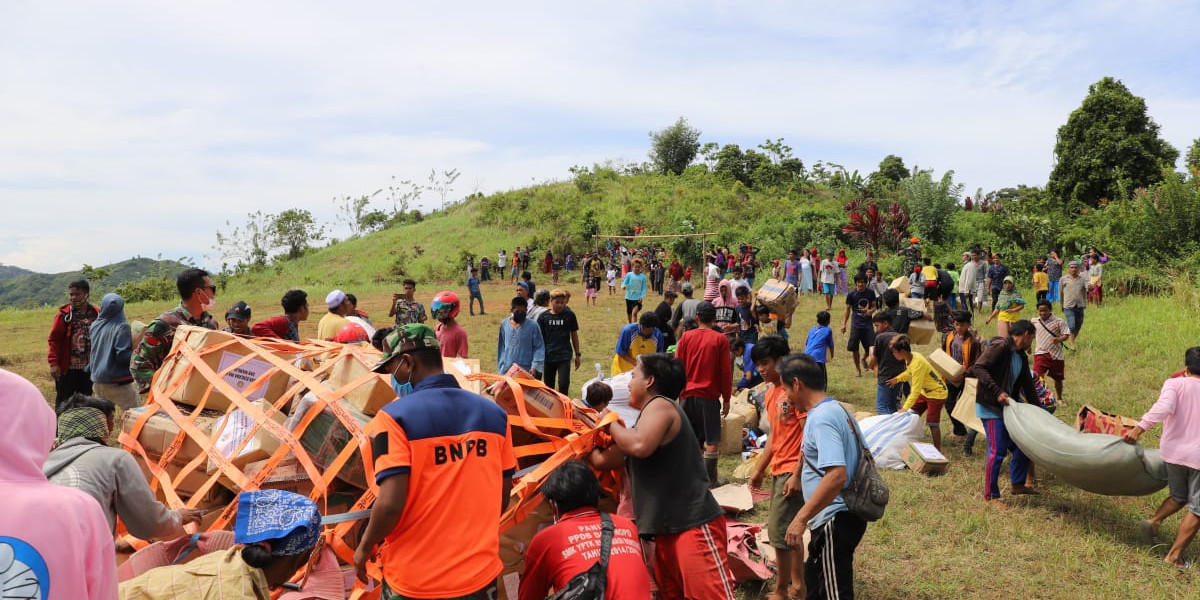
<point x="620" y="399"/>
<point x="1095" y="462"/>
<point x="887" y="435"/>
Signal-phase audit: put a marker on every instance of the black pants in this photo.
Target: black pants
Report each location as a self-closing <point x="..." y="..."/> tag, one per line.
<point x="954" y="392"/>
<point x="560" y="370"/>
<point x="829" y="570"/>
<point x="995" y="297"/>
<point x="73" y="380"/>
<point x="966" y="302"/>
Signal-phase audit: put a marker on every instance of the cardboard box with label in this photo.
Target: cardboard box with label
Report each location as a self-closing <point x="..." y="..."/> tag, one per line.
<point x="233" y="428"/>
<point x="240" y="377"/>
<point x="945" y="365"/>
<point x="539" y="401"/>
<point x="923" y="458"/>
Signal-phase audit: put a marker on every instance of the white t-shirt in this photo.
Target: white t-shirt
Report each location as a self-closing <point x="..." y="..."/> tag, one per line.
<point x="829" y="271"/>
<point x="712" y="271"/>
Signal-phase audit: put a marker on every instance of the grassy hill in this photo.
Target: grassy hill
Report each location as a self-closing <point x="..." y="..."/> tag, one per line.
<point x="10" y="271"/>
<point x="938" y="539"/>
<point x="37" y="289"/>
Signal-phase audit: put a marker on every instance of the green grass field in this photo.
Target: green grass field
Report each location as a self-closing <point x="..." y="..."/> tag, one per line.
<point x="938" y="539"/>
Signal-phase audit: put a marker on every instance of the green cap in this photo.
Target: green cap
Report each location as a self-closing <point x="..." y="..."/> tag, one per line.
<point x="413" y="336"/>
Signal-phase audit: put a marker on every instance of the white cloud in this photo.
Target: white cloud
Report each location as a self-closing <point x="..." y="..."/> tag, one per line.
<point x="163" y="120"/>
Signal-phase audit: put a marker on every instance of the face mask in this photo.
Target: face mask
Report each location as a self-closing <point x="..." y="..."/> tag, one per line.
<point x="518" y="317"/>
<point x="401" y="389"/>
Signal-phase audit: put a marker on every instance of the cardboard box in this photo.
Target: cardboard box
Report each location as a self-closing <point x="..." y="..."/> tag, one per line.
<point x="460" y="368"/>
<point x="539" y="402"/>
<point x="324" y="439"/>
<point x="731" y="433"/>
<point x="945" y="365"/>
<point x="916" y="304"/>
<point x="193" y="390"/>
<point x="234" y="427"/>
<point x="186" y="487"/>
<point x="367" y="397"/>
<point x="734" y="498"/>
<point x="964" y="411"/>
<point x="921" y="331"/>
<point x="742" y="405"/>
<point x="513" y="544"/>
<point x="160" y="431"/>
<point x="780" y="297"/>
<point x="924" y="459"/>
<point x="900" y="284"/>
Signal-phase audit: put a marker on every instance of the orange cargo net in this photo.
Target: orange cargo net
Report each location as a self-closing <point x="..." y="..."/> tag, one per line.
<point x="561" y="439"/>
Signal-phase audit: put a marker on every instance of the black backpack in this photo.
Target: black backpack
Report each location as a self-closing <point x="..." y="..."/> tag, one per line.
<point x="590" y="584"/>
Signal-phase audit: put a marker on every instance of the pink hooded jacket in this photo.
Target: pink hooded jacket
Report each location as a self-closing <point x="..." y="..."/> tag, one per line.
<point x="54" y="541"/>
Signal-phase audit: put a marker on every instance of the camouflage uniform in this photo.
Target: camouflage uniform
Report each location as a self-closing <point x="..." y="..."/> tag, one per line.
<point x="409" y="312"/>
<point x="157" y="342"/>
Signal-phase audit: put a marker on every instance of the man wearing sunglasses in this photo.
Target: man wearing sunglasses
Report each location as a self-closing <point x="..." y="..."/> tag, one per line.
<point x="197" y="296"/>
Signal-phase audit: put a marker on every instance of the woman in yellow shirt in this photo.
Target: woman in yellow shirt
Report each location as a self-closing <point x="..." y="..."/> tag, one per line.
<point x="928" y="393"/>
<point x="1008" y="307"/>
<point x="1041" y="282"/>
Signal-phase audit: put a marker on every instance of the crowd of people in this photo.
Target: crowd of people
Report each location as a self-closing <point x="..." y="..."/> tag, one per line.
<point x="432" y="528"/>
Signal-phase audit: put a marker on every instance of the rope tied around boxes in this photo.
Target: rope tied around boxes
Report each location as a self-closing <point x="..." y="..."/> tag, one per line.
<point x="307" y="367"/>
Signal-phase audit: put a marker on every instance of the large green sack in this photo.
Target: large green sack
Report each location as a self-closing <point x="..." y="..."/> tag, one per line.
<point x="1095" y="462"/>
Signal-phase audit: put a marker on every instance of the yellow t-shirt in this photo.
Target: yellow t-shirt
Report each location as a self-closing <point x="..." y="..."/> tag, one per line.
<point x="930" y="274"/>
<point x="637" y="347"/>
<point x="330" y="325"/>
<point x="924" y="381"/>
<point x="1041" y="282"/>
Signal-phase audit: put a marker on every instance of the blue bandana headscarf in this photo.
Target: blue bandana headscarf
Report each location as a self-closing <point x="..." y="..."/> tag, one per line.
<point x="289" y="522"/>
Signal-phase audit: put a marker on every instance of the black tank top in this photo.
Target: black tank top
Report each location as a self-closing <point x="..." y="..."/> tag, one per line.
<point x="670" y="487"/>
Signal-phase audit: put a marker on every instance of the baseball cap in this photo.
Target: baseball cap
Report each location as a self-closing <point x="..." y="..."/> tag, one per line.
<point x="705" y="311"/>
<point x="335" y="298"/>
<point x="413" y="336"/>
<point x="687" y="287"/>
<point x="239" y="310"/>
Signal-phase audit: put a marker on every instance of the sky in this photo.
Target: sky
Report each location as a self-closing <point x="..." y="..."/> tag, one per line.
<point x="137" y="128"/>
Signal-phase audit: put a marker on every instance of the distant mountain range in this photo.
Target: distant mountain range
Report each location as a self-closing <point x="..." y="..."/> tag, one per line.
<point x="24" y="288"/>
<point x="9" y="271"/>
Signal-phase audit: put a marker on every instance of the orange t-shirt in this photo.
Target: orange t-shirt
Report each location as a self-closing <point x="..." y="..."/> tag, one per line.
<point x="457" y="449"/>
<point x="787" y="430"/>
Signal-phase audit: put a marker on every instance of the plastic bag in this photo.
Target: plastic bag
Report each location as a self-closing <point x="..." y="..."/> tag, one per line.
<point x="887" y="435"/>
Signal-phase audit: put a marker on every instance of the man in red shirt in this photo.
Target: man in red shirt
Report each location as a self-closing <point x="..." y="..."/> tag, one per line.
<point x="782" y="457"/>
<point x="451" y="336"/>
<point x="572" y="545"/>
<point x="705" y="356"/>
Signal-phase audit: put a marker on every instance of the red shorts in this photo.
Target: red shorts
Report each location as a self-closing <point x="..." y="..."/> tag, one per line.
<point x="1045" y="366"/>
<point x="931" y="408"/>
<point x="694" y="563"/>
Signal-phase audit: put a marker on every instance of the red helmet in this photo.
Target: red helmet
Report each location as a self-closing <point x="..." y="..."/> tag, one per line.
<point x="351" y="333"/>
<point x="445" y="306"/>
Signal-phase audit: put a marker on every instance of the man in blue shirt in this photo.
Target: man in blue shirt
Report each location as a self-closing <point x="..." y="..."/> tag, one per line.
<point x="520" y="342"/>
<point x="831" y="453"/>
<point x="634" y="285"/>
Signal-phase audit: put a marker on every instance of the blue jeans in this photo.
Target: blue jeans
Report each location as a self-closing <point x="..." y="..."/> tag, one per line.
<point x="887" y="399"/>
<point x="1074" y="318"/>
<point x="999" y="445"/>
<point x="1053" y="296"/>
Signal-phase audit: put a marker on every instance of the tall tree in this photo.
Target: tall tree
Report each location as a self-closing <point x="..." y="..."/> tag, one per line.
<point x="892" y="167"/>
<point x="1193" y="158"/>
<point x="1108" y="146"/>
<point x="931" y="204"/>
<point x="296" y="230"/>
<point x="673" y="148"/>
